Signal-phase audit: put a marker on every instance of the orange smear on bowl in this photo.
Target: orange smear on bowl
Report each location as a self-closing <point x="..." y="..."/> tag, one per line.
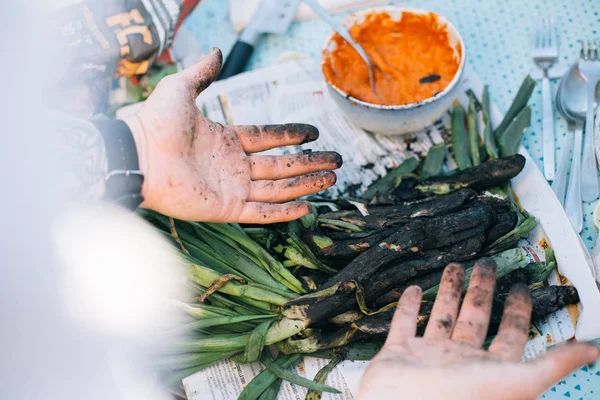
<point x="413" y="57"/>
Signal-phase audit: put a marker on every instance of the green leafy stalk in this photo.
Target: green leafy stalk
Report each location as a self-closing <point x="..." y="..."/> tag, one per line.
<point x="218" y="321"/>
<point x="239" y="305"/>
<point x="511" y="138"/>
<point x="301" y="254"/>
<point x="256" y="343"/>
<point x="540" y="272"/>
<point x="273" y="267"/>
<point x="289" y="376"/>
<point x="473" y="133"/>
<point x="237" y="260"/>
<point x="517" y="106"/>
<point x="266" y="378"/>
<point x="461" y="148"/>
<point x="321" y="377"/>
<point x="511" y="238"/>
<point x="339" y="224"/>
<point x="434" y="161"/>
<point x="207" y="277"/>
<point x="309" y="221"/>
<point x="280" y="330"/>
<point x="392" y="180"/>
<point x="272" y="391"/>
<point x="263" y="236"/>
<point x="488" y="133"/>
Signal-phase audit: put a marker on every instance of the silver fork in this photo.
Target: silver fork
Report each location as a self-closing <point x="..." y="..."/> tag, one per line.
<point x="589" y="66"/>
<point x="545" y="55"/>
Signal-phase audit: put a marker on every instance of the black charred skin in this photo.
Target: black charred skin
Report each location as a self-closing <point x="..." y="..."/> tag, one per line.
<point x="379" y="324"/>
<point x="505" y="222"/>
<point x="545" y="301"/>
<point x="347" y="249"/>
<point x="408" y="273"/>
<point x="499" y="205"/>
<point x="519" y="275"/>
<point x="414" y="238"/>
<point x="485" y="175"/>
<point x="387" y="216"/>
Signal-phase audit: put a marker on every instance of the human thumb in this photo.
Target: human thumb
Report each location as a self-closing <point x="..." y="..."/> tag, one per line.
<point x="558" y="363"/>
<point x="200" y="75"/>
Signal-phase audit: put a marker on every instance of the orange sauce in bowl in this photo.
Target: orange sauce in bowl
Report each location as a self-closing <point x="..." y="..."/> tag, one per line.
<point x="413" y="59"/>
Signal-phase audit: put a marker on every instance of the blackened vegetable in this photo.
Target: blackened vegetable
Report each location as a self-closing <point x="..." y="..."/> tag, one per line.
<point x="345" y="249"/>
<point x="363" y="351"/>
<point x="545" y="301"/>
<point x="549" y="299"/>
<point x="505" y="222"/>
<point x="512" y="238"/>
<point x="413" y="238"/>
<point x="387" y="216"/>
<point x="488" y="174"/>
<point x="390" y="277"/>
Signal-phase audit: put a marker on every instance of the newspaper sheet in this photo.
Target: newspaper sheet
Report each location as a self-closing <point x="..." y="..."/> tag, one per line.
<point x="241" y="11"/>
<point x="295" y="92"/>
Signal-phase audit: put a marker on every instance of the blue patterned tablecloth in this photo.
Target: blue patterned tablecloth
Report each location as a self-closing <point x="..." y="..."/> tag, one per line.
<point x="497" y="37"/>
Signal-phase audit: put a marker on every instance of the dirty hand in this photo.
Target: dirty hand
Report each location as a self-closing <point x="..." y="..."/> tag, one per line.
<point x="197" y="169"/>
<point x="448" y="362"/>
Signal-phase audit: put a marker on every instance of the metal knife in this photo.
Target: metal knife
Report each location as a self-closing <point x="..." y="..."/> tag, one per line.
<point x="271" y="16"/>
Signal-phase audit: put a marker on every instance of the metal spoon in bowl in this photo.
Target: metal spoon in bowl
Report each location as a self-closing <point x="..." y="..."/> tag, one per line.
<point x="343" y="32"/>
<point x="573" y="206"/>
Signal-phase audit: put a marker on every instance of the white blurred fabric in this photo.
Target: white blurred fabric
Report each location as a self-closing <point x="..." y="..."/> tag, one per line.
<point x="67" y="328"/>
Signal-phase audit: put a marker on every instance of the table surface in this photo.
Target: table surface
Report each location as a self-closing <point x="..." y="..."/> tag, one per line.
<point x="497" y="37"/>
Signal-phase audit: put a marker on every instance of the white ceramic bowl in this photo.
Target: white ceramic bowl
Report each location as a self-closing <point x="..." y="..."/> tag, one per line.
<point x="396" y="120"/>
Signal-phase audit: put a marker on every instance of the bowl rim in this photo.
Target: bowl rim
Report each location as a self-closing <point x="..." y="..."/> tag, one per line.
<point x="388" y="9"/>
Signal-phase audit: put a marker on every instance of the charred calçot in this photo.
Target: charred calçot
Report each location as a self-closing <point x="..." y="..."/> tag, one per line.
<point x="413" y="239"/>
<point x="544" y="301"/>
<point x="485" y="175"/>
<point x="416" y="237"/>
<point x="403" y="213"/>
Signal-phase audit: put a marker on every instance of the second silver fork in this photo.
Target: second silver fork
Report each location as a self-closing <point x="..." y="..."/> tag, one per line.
<point x="545" y="55"/>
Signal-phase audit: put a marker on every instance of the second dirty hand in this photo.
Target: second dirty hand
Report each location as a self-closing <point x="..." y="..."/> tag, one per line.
<point x="196" y="169"/>
<point x="450" y="350"/>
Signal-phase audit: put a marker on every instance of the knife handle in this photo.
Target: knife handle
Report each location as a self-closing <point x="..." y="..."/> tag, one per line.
<point x="236" y="60"/>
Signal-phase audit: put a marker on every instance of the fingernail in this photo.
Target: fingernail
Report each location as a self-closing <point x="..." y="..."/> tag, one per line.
<point x="456" y="267"/>
<point x="520" y="289"/>
<point x="487" y="264"/>
<point x="337" y="159"/>
<point x="416" y="289"/>
<point x="310" y="132"/>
